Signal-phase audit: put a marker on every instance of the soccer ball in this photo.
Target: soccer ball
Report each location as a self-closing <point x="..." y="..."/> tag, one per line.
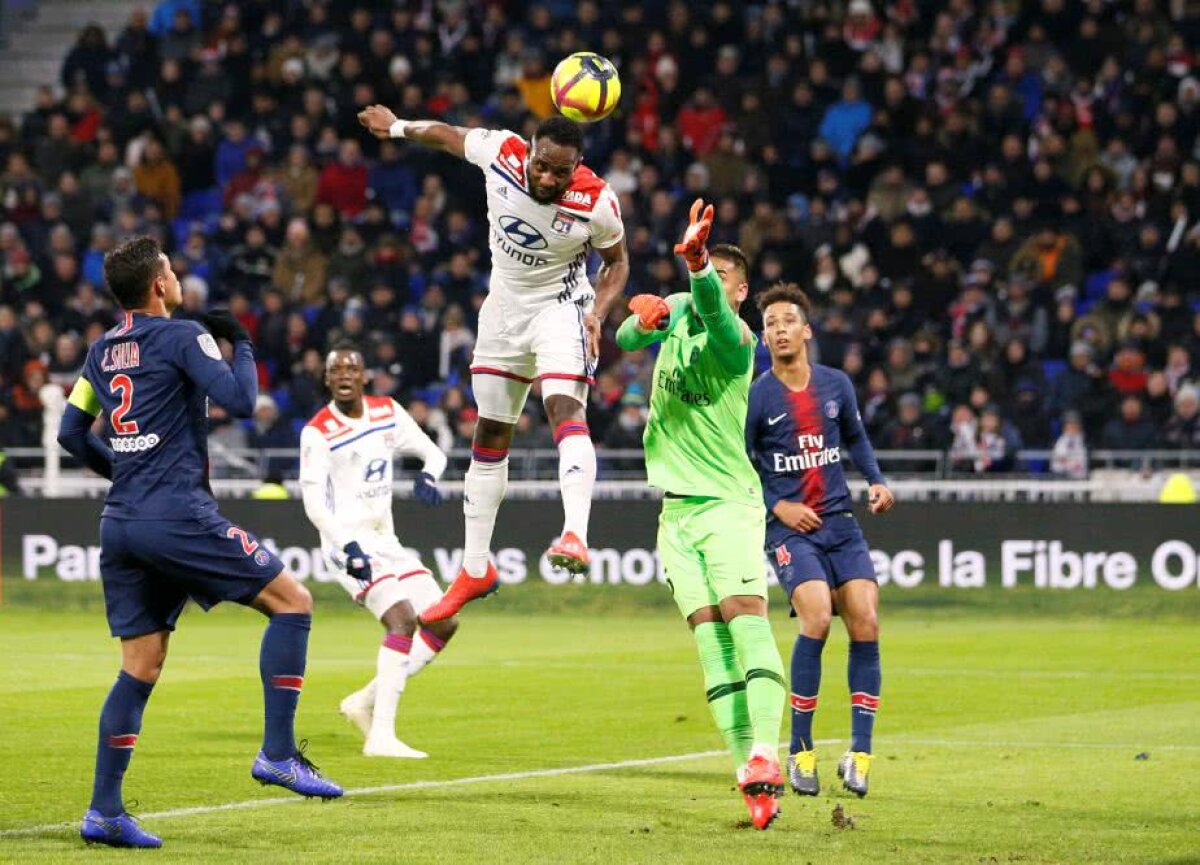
<point x="585" y="87"/>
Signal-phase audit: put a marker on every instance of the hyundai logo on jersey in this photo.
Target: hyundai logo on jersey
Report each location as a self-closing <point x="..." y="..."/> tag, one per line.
<point x="375" y="470"/>
<point x="522" y="233"/>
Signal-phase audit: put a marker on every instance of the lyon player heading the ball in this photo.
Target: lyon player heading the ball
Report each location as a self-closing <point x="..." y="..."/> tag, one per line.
<point x="541" y="321"/>
<point x="800" y="415"/>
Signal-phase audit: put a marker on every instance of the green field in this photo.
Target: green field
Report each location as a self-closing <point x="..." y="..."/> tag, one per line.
<point x="568" y="725"/>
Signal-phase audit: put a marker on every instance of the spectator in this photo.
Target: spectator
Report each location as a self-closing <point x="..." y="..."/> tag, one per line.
<point x="845" y="120"/>
<point x="911" y="430"/>
<point x="1182" y="430"/>
<point x="1069" y="458"/>
<point x="157" y="178"/>
<point x="300" y="267"/>
<point x="1131" y="429"/>
<point x="343" y="183"/>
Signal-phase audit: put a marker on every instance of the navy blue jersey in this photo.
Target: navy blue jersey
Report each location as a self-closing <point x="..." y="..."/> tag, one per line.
<point x="795" y="439"/>
<point x="152" y="377"/>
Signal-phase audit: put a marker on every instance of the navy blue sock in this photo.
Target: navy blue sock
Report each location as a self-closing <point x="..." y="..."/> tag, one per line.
<point x="806" y="682"/>
<point x="281" y="664"/>
<point x="120" y="723"/>
<point x="865" y="679"/>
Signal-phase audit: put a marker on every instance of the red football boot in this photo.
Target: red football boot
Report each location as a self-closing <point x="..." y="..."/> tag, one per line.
<point x="762" y="785"/>
<point x="570" y="553"/>
<point x="465" y="588"/>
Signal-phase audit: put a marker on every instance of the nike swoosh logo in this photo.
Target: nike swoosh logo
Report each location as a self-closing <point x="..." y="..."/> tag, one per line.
<point x="774" y="420"/>
<point x="748" y="580"/>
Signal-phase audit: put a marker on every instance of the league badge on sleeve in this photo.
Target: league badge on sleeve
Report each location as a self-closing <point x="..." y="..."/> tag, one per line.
<point x="208" y="345"/>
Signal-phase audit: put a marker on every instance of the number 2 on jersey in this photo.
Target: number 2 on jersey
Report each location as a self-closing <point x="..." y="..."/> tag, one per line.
<point x="123" y="384"/>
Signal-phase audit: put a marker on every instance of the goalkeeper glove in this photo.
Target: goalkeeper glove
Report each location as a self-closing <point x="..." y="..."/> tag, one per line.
<point x="692" y="247"/>
<point x="358" y="563"/>
<point x="425" y="490"/>
<point x="652" y="311"/>
<point x="222" y="324"/>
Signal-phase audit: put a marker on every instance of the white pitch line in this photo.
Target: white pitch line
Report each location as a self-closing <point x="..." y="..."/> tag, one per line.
<point x="394" y="788"/>
<point x="576" y="770"/>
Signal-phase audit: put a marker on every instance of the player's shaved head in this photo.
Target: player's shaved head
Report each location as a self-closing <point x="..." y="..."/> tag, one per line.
<point x="733" y="270"/>
<point x="556" y="153"/>
<point x="131" y="268"/>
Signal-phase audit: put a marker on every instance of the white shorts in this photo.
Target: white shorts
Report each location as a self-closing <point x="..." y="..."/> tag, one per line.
<point x="516" y="347"/>
<point x="396" y="575"/>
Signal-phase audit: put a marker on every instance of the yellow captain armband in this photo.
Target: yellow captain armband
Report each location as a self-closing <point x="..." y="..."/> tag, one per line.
<point x="83" y="397"/>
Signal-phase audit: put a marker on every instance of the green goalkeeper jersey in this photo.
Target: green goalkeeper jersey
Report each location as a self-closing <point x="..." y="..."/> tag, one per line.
<point x="696" y="436"/>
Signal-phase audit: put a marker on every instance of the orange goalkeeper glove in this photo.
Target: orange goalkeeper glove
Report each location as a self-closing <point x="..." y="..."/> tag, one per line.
<point x="652" y="311"/>
<point x="692" y="247"/>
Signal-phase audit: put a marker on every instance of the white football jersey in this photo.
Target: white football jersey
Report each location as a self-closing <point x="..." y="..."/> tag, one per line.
<point x="346" y="468"/>
<point x="540" y="251"/>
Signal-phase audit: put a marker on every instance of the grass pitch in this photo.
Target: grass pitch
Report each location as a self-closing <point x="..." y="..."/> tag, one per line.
<point x="568" y="725"/>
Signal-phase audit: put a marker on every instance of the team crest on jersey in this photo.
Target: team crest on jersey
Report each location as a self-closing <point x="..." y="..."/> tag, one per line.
<point x="563" y="223"/>
<point x="832" y="409"/>
<point x="262" y="558"/>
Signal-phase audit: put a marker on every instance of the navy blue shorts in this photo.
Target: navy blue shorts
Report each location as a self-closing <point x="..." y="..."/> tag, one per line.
<point x="837" y="553"/>
<point x="150" y="568"/>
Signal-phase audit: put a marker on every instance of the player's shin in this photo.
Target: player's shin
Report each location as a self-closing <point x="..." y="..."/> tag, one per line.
<point x="426" y="646"/>
<point x="483" y="491"/>
<point x="281" y="664"/>
<point x="391" y="673"/>
<point x="576" y="475"/>
<point x="865" y="679"/>
<point x="806" y="682"/>
<point x="766" y="692"/>
<point x="725" y="687"/>
<point x="120" y="724"/>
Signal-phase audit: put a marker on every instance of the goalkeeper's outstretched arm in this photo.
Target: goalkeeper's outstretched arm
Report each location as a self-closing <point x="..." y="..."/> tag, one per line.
<point x="382" y="122"/>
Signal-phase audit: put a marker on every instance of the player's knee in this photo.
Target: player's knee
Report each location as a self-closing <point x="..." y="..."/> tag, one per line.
<point x="297" y="599"/>
<point x="560" y="409"/>
<point x="815" y="624"/>
<point x="491" y="433"/>
<point x="863" y="626"/>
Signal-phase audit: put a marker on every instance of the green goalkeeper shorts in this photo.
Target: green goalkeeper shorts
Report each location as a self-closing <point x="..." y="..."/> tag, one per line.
<point x="711" y="549"/>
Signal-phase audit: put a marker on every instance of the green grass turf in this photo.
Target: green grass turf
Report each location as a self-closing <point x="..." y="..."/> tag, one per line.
<point x="980" y="690"/>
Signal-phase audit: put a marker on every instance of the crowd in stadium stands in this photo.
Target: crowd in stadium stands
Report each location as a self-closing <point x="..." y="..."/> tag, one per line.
<point x="995" y="206"/>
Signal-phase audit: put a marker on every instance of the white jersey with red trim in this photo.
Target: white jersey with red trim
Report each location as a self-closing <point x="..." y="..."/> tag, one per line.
<point x="346" y="468"/>
<point x="540" y="251"/>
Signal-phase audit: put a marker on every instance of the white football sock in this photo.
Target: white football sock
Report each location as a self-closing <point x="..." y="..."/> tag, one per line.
<point x="483" y="491"/>
<point x="391" y="672"/>
<point x="425" y="648"/>
<point x="576" y="478"/>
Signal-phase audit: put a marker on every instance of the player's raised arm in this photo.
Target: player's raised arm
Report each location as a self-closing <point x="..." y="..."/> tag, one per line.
<point x="728" y="336"/>
<point x="382" y="122"/>
<point x="854" y="434"/>
<point x="75" y="430"/>
<point x="414" y="441"/>
<point x="233" y="386"/>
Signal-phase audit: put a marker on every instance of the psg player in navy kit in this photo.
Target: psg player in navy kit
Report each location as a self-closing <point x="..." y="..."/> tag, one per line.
<point x="162" y="540"/>
<point x="800" y="416"/>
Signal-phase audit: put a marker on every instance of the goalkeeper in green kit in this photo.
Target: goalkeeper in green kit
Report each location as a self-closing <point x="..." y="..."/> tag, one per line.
<point x="711" y="530"/>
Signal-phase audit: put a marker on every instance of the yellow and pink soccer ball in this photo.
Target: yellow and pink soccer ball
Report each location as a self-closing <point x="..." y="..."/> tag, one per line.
<point x="585" y="87"/>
